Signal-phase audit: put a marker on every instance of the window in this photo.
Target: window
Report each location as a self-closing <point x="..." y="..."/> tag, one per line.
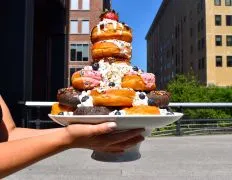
<point x="229" y="61"/>
<point x="217" y="2"/>
<point x="199" y="45"/>
<point x="202" y="2"/>
<point x="229" y="20"/>
<point x="218" y="40"/>
<point x="228" y="2"/>
<point x="202" y="23"/>
<point x="85" y="27"/>
<point x="74" y="4"/>
<point x="218" y="61"/>
<point x="191" y="32"/>
<point x="191" y="49"/>
<point x="199" y="63"/>
<point x="218" y="20"/>
<point x="198" y="7"/>
<point x="229" y="40"/>
<point x="85" y="5"/>
<point x="203" y="63"/>
<point x="73" y="70"/>
<point x="199" y="26"/>
<point x="73" y="27"/>
<point x="79" y="52"/>
<point x="203" y="43"/>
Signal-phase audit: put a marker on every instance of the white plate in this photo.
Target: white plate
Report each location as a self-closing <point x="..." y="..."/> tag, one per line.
<point x="123" y="122"/>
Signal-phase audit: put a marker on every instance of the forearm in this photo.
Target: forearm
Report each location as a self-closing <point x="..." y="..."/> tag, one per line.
<point x="20" y="133"/>
<point x="18" y="154"/>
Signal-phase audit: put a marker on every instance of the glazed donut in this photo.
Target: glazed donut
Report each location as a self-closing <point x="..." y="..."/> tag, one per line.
<point x="159" y="98"/>
<point x="142" y="82"/>
<point x="142" y="110"/>
<point x="113" y="97"/>
<point x="61" y="109"/>
<point x="113" y="60"/>
<point x="93" y="110"/>
<point x="86" y="79"/>
<point x="68" y="97"/>
<point x="111" y="48"/>
<point x="110" y="29"/>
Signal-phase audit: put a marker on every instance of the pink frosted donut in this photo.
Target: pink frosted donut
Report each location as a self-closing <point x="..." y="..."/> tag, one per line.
<point x="86" y="79"/>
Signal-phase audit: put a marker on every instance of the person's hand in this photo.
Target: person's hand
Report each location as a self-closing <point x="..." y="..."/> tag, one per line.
<point x="102" y="137"/>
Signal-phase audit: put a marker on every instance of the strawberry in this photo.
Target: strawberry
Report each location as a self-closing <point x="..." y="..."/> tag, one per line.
<point x="109" y="14"/>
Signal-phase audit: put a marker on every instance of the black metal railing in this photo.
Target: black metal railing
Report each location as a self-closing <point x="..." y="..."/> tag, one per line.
<point x="197" y="126"/>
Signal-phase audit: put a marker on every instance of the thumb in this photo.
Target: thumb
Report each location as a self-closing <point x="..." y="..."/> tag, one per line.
<point x="103" y="128"/>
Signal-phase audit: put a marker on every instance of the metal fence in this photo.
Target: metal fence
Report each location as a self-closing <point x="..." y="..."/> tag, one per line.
<point x="35" y="115"/>
<point x="197" y="126"/>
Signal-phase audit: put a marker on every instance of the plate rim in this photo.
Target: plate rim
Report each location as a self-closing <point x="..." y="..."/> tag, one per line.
<point x="116" y="116"/>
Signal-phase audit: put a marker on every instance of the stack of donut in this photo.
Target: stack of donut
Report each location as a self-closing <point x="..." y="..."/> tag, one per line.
<point x="111" y="86"/>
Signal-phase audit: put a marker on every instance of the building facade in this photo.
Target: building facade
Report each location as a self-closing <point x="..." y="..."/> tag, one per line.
<point x="191" y="36"/>
<point x="34" y="38"/>
<point x="83" y="16"/>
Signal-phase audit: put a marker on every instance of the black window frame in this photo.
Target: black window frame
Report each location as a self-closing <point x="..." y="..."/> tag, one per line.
<point x="228" y="20"/>
<point x="203" y="43"/>
<point x="199" y="44"/>
<point x="229" y="61"/>
<point x="199" y="26"/>
<point x="202" y="23"/>
<point x="199" y="64"/>
<point x="73" y="70"/>
<point x="218" y="61"/>
<point x="79" y="53"/>
<point x="220" y="44"/>
<point x="217" y="2"/>
<point x="203" y="63"/>
<point x="228" y="2"/>
<point x="220" y="21"/>
<point x="229" y="43"/>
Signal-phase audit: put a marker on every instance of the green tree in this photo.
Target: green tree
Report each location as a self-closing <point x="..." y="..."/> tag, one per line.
<point x="186" y="88"/>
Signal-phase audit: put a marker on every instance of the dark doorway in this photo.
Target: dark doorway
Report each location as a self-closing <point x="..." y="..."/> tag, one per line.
<point x="49" y="49"/>
<point x="33" y="52"/>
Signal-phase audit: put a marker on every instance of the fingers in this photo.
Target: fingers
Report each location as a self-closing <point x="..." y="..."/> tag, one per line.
<point x="121" y="147"/>
<point x="129" y="143"/>
<point x="103" y="128"/>
<point x="123" y="136"/>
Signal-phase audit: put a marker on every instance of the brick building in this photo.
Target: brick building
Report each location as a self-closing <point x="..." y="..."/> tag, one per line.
<point x="192" y="35"/>
<point x="83" y="16"/>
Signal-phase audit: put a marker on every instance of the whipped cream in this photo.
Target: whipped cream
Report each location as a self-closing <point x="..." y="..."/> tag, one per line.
<point x="68" y="113"/>
<point x="122" y="113"/>
<point x="87" y="102"/>
<point x="104" y="23"/>
<point x="113" y="72"/>
<point x="137" y="101"/>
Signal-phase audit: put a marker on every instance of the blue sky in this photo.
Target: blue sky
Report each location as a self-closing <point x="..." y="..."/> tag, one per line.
<point x="138" y="14"/>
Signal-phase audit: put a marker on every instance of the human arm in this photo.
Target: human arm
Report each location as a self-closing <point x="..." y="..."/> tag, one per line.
<point x="20" y="153"/>
<point x="11" y="132"/>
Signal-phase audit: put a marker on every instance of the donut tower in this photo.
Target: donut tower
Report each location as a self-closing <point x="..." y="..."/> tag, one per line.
<point x="111" y="85"/>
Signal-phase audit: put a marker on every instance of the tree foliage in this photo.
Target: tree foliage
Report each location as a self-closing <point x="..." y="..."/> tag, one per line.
<point x="186" y="88"/>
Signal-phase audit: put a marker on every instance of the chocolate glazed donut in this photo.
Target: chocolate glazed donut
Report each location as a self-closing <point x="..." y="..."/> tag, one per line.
<point x="159" y="98"/>
<point x="93" y="110"/>
<point x="68" y="97"/>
